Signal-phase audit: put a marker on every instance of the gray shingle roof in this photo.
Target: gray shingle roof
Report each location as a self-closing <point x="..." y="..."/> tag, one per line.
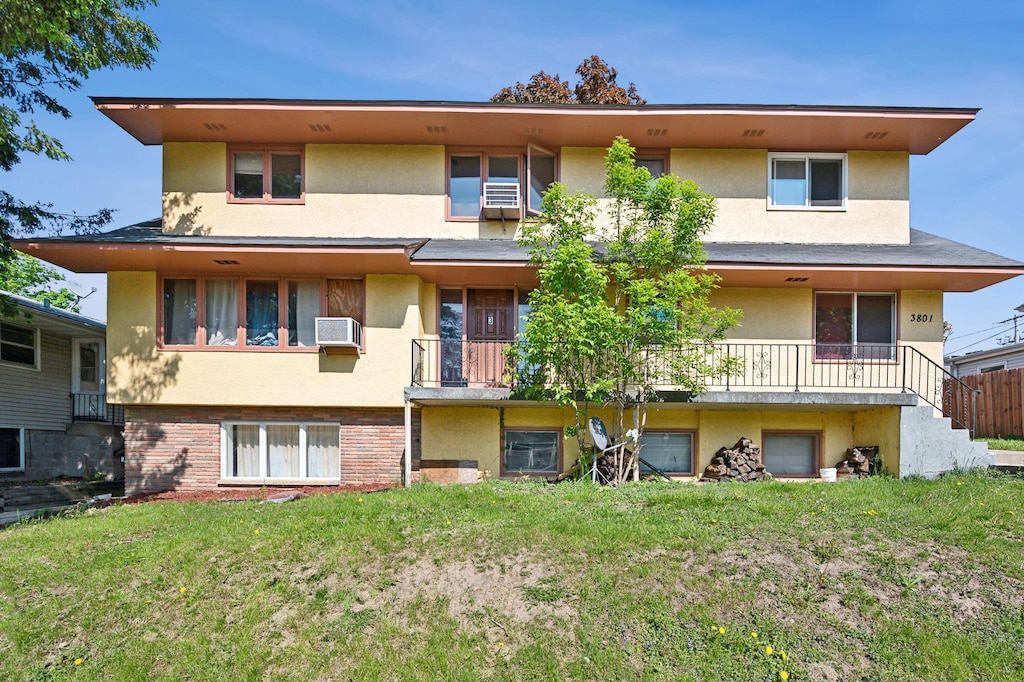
<point x="924" y="249"/>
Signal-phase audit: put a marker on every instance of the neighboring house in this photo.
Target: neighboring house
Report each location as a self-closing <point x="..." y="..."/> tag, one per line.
<point x="1010" y="356"/>
<point x="54" y="416"/>
<point x="396" y="221"/>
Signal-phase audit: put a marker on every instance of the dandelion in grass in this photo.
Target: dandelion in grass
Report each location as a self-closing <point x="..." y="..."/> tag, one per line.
<point x="255" y="532"/>
<point x="360" y="499"/>
<point x="754" y="635"/>
<point x="78" y="661"/>
<point x="783" y="675"/>
<point x="782" y="653"/>
<point x="721" y="631"/>
<point x="714" y="520"/>
<point x="182" y="590"/>
<point x="768" y="650"/>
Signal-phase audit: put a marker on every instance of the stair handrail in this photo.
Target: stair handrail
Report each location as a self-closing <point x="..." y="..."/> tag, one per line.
<point x="947" y="393"/>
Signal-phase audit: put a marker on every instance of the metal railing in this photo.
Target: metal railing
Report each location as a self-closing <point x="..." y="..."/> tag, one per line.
<point x="755" y="366"/>
<point x="93" y="407"/>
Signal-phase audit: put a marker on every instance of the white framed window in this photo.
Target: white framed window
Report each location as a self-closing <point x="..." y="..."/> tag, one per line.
<point x="669" y="451"/>
<point x="807" y="181"/>
<point x="259" y="451"/>
<point x="19" y="345"/>
<point x="12" y="449"/>
<point x="532" y="451"/>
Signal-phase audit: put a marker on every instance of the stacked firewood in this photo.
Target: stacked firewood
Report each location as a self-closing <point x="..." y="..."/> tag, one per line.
<point x="741" y="462"/>
<point x="859" y="462"/>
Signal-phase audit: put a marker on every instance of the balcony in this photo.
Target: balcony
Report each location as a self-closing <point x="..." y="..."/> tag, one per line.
<point x="860" y="370"/>
<point x="93" y="407"/>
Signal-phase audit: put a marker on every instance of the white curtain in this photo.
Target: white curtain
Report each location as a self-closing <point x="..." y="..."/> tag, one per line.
<point x="222" y="312"/>
<point x="305" y="297"/>
<point x="245" y="450"/>
<point x="283" y="451"/>
<point x="322" y="456"/>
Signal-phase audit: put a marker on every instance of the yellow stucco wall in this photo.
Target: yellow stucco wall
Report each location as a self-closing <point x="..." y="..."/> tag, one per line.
<point x="877" y="210"/>
<point x="389" y="190"/>
<point x="140" y="373"/>
<point x="454" y="433"/>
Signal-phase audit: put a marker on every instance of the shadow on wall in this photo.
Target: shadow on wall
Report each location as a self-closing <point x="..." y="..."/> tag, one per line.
<point x="181" y="217"/>
<point x="139" y="371"/>
<point x="144" y="473"/>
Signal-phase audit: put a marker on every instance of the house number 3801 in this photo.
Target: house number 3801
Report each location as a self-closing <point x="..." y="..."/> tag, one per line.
<point x="915" y="317"/>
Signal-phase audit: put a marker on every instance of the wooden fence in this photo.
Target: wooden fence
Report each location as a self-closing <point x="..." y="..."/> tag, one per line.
<point x="1001" y="403"/>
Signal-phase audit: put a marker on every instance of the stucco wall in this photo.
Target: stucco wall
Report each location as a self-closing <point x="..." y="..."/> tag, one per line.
<point x="877" y="209"/>
<point x="389" y="190"/>
<point x="457" y="433"/>
<point x="140" y="373"/>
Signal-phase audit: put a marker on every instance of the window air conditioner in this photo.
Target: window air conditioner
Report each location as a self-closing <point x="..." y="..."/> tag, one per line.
<point x="339" y="332"/>
<point x="501" y="200"/>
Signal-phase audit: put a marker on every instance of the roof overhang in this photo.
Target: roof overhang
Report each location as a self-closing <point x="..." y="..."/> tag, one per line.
<point x="917" y="130"/>
<point x="230" y="259"/>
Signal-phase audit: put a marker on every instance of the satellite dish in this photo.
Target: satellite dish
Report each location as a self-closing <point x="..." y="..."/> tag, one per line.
<point x="599" y="433"/>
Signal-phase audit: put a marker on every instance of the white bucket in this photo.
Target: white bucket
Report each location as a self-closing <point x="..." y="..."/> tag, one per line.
<point x="828" y="475"/>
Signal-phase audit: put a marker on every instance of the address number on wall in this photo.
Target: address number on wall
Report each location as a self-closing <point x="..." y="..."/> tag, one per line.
<point x="915" y="317"/>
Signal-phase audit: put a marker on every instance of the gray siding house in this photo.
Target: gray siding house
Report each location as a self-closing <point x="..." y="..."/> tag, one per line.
<point x="54" y="416"/>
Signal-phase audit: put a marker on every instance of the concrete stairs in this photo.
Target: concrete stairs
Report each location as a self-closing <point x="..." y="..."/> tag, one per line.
<point x="929" y="445"/>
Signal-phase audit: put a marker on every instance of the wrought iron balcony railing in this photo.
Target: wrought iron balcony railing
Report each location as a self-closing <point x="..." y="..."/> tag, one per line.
<point x="756" y="367"/>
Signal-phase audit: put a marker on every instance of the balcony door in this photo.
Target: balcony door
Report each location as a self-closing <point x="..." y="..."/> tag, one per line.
<point x="490" y="325"/>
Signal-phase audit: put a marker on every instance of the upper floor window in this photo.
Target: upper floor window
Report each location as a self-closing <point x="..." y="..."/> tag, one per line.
<point x="656" y="163"/>
<point x="493" y="185"/>
<point x="267" y="175"/>
<point x="19" y="345"/>
<point x="807" y="181"/>
<point x="255" y="313"/>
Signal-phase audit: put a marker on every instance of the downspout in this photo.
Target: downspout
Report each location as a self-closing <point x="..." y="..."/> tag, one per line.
<point x="408" y="443"/>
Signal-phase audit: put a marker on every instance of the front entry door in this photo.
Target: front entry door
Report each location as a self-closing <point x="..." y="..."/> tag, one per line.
<point x="490" y="327"/>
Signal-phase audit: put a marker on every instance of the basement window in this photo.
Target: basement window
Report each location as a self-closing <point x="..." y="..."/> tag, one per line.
<point x="266" y="451"/>
<point x="532" y="451"/>
<point x="669" y="451"/>
<point x="791" y="453"/>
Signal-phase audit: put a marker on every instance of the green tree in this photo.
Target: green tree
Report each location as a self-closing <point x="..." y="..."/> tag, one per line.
<point x="596" y="86"/>
<point x="30" y="277"/>
<point x="49" y="46"/>
<point x="614" y="321"/>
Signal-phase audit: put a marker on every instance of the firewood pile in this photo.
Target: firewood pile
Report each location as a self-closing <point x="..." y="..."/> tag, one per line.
<point x="859" y="462"/>
<point x="741" y="462"/>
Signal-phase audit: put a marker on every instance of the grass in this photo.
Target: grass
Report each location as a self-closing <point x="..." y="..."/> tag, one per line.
<point x="872" y="579"/>
<point x="1008" y="443"/>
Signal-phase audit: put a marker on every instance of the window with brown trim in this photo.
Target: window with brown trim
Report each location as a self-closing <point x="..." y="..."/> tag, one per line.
<point x="668" y="451"/>
<point x="791" y="453"/>
<point x="489" y="185"/>
<point x="230" y="312"/>
<point x="655" y="162"/>
<point x="531" y="451"/>
<point x="266" y="175"/>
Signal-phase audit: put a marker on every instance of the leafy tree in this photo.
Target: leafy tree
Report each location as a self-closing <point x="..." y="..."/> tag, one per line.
<point x="30" y="277"/>
<point x="612" y="322"/>
<point x="48" y="46"/>
<point x="596" y="86"/>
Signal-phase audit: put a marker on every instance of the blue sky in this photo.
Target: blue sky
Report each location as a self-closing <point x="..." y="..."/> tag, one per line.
<point x="914" y="53"/>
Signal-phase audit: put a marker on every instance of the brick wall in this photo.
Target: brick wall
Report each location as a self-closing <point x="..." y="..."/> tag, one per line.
<point x="178" y="447"/>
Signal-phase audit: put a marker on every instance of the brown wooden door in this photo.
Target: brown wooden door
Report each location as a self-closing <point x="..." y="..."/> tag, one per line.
<point x="490" y="325"/>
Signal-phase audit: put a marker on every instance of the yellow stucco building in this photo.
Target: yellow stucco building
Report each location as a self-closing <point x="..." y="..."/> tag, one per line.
<point x="327" y="294"/>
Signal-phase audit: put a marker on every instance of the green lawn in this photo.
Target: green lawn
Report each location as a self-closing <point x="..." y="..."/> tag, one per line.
<point x="1008" y="443"/>
<point x="876" y="579"/>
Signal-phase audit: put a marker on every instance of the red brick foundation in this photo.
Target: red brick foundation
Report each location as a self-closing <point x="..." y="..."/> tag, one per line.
<point x="178" y="447"/>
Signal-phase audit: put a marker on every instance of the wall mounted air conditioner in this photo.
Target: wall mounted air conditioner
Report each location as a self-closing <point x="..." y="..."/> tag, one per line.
<point x="339" y="332"/>
<point x="501" y="200"/>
